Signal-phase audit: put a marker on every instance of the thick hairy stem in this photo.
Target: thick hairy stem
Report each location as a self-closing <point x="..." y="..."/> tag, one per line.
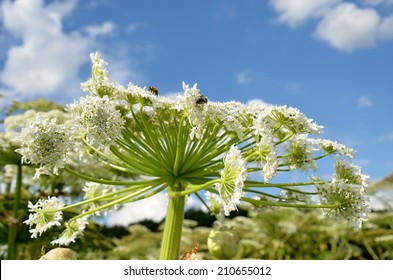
<point x="170" y="246"/>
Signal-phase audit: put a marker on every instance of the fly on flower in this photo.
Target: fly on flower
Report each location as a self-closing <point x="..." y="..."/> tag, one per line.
<point x="153" y="90"/>
<point x="202" y="99"/>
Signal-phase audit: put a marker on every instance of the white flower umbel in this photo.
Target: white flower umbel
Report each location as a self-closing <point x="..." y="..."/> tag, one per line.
<point x="192" y="103"/>
<point x="46" y="144"/>
<point x="230" y="186"/>
<point x="99" y="119"/>
<point x="94" y="190"/>
<point x="74" y="228"/>
<point x="350" y="173"/>
<point x="267" y="153"/>
<point x="215" y="205"/>
<point x="44" y="215"/>
<point x="300" y="153"/>
<point x="350" y="200"/>
<point x="331" y="147"/>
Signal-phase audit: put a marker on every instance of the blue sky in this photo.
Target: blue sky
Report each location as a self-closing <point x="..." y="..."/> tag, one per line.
<point x="332" y="59"/>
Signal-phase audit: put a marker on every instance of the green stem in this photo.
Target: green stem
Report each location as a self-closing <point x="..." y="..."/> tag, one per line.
<point x="170" y="246"/>
<point x="11" y="255"/>
<point x="278" y="185"/>
<point x="180" y="148"/>
<point x="192" y="189"/>
<point x="262" y="203"/>
<point x="103" y="181"/>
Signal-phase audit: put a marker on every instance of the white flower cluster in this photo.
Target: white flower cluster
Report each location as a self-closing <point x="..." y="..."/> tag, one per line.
<point x="100" y="84"/>
<point x="347" y="192"/>
<point x="99" y="119"/>
<point x="45" y="214"/>
<point x="94" y="190"/>
<point x="232" y="180"/>
<point x="268" y="156"/>
<point x="45" y="143"/>
<point x="330" y="146"/>
<point x="192" y="103"/>
<point x="74" y="228"/>
<point x="286" y="119"/>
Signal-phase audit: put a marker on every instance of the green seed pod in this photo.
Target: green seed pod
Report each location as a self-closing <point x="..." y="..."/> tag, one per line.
<point x="223" y="243"/>
<point x="59" y="254"/>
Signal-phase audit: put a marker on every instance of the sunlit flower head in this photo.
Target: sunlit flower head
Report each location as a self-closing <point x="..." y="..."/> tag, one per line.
<point x="350" y="200"/>
<point x="215" y="205"/>
<point x="267" y="154"/>
<point x="99" y="119"/>
<point x="330" y="146"/>
<point x="300" y="153"/>
<point x="44" y="215"/>
<point x="350" y="173"/>
<point x="74" y="228"/>
<point x="192" y="103"/>
<point x="232" y="180"/>
<point x="46" y="144"/>
<point x="94" y="190"/>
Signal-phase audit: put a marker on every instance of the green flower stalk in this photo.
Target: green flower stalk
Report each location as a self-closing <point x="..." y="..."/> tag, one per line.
<point x="185" y="146"/>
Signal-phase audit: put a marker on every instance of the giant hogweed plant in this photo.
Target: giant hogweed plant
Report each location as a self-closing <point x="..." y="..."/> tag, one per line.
<point x="185" y="146"/>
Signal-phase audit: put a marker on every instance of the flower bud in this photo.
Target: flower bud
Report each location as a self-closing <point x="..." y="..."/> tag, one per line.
<point x="223" y="243"/>
<point x="59" y="254"/>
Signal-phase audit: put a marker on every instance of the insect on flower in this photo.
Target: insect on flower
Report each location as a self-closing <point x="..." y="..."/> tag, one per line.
<point x="202" y="100"/>
<point x="153" y="90"/>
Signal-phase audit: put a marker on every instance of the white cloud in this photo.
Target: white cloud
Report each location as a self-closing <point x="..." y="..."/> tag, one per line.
<point x="386" y="137"/>
<point x="365" y="102"/>
<point x="243" y="77"/>
<point x="386" y="28"/>
<point x="121" y="71"/>
<point x="378" y="2"/>
<point x="153" y="208"/>
<point x="98" y="30"/>
<point x="46" y="59"/>
<point x="258" y="102"/>
<point x="348" y="28"/>
<point x="343" y="25"/>
<point x="296" y="12"/>
<point x="62" y="8"/>
<point x="133" y="27"/>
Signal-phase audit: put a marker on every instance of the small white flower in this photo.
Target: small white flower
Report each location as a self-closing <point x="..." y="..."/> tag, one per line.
<point x="45" y="143"/>
<point x="196" y="112"/>
<point x="99" y="119"/>
<point x="45" y="214"/>
<point x="332" y="147"/>
<point x="268" y="157"/>
<point x="232" y="180"/>
<point x="300" y="153"/>
<point x="139" y="92"/>
<point x="100" y="83"/>
<point x="350" y="173"/>
<point x="351" y="201"/>
<point x="94" y="190"/>
<point x="230" y="114"/>
<point x="215" y="205"/>
<point x="285" y="119"/>
<point x="74" y="228"/>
